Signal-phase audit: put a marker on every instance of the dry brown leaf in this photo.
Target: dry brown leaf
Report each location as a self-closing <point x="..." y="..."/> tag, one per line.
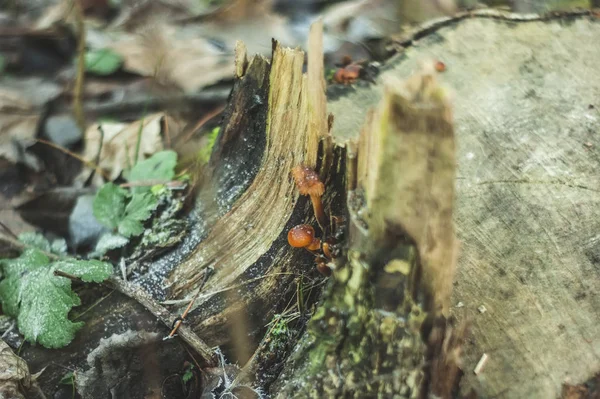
<point x="189" y="63"/>
<point x="138" y="14"/>
<point x="239" y="10"/>
<point x="119" y="144"/>
<point x="20" y="112"/>
<point x="14" y="373"/>
<point x="358" y="20"/>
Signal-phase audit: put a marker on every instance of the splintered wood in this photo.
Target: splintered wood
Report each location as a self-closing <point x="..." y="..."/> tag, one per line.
<point x="295" y="122"/>
<point x="406" y="165"/>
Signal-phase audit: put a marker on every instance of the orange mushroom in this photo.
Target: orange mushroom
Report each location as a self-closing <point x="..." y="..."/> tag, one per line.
<point x="308" y="183"/>
<point x="322" y="266"/>
<point x="303" y="236"/>
<point x="347" y="74"/>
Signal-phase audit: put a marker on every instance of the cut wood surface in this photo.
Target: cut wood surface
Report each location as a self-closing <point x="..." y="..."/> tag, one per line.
<point x="526" y="99"/>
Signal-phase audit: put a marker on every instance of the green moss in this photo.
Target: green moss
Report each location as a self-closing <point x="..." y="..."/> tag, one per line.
<point x="206" y="151"/>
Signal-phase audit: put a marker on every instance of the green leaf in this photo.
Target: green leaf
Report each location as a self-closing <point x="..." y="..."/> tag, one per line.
<point x="67" y="379"/>
<point x="187" y="376"/>
<point x="46" y="301"/>
<point x="138" y="210"/>
<point x="206" y="151"/>
<point x="102" y="62"/>
<point x="30" y="259"/>
<point x="160" y="166"/>
<point x="59" y="247"/>
<point x="87" y="270"/>
<point x="41" y="301"/>
<point x="109" y="205"/>
<point x="108" y="242"/>
<point x="35" y="240"/>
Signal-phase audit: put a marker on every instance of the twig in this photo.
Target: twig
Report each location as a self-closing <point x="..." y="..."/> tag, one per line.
<point x="209" y="115"/>
<point x="185" y="332"/>
<point x="79" y="79"/>
<point x="480" y="364"/>
<point x="172" y="184"/>
<point x="207" y="274"/>
<point x="8" y="231"/>
<point x="80" y="159"/>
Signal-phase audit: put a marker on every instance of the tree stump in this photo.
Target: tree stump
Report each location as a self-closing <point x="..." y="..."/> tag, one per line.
<point x="525" y="98"/>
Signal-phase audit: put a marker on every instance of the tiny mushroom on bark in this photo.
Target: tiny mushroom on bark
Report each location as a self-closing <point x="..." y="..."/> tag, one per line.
<point x="308" y="183"/>
<point x="303" y="236"/>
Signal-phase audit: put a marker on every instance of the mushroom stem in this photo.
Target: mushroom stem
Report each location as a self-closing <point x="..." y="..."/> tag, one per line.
<point x="319" y="212"/>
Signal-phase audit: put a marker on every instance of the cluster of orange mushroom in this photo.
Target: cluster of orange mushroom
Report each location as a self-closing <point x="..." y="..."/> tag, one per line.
<point x="303" y="236"/>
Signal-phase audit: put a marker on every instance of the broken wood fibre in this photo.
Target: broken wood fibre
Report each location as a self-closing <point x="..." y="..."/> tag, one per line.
<point x="248" y="242"/>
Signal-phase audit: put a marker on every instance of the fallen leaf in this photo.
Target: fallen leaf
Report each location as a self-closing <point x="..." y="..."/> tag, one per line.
<point x="102" y="62"/>
<point x="164" y="53"/>
<point x="119" y="145"/>
<point x="21" y="104"/>
<point x="14" y="373"/>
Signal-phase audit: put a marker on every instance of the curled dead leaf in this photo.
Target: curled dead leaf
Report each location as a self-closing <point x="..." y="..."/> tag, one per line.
<point x="190" y="63"/>
<point x="20" y="112"/>
<point x="119" y="141"/>
<point x="14" y="373"/>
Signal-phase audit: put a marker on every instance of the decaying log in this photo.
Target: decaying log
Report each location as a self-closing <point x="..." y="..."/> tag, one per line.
<point x="249" y="240"/>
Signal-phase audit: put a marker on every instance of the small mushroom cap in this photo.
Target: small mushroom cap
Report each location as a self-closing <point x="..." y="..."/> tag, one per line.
<point x="440" y="66"/>
<point x="308" y="181"/>
<point x="301" y="236"/>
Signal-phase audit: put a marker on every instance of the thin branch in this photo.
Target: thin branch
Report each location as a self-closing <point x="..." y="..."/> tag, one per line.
<point x="8" y="231"/>
<point x="80" y="159"/>
<point x="207" y="274"/>
<point x="79" y="79"/>
<point x="185" y="332"/>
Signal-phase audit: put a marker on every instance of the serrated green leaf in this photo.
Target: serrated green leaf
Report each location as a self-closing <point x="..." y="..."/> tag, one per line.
<point x="138" y="210"/>
<point x="108" y="242"/>
<point x="160" y="166"/>
<point x="46" y="301"/>
<point x="87" y="270"/>
<point x="35" y="240"/>
<point x="102" y="62"/>
<point x="67" y="379"/>
<point x="42" y="301"/>
<point x="187" y="376"/>
<point x="31" y="258"/>
<point x="109" y="205"/>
